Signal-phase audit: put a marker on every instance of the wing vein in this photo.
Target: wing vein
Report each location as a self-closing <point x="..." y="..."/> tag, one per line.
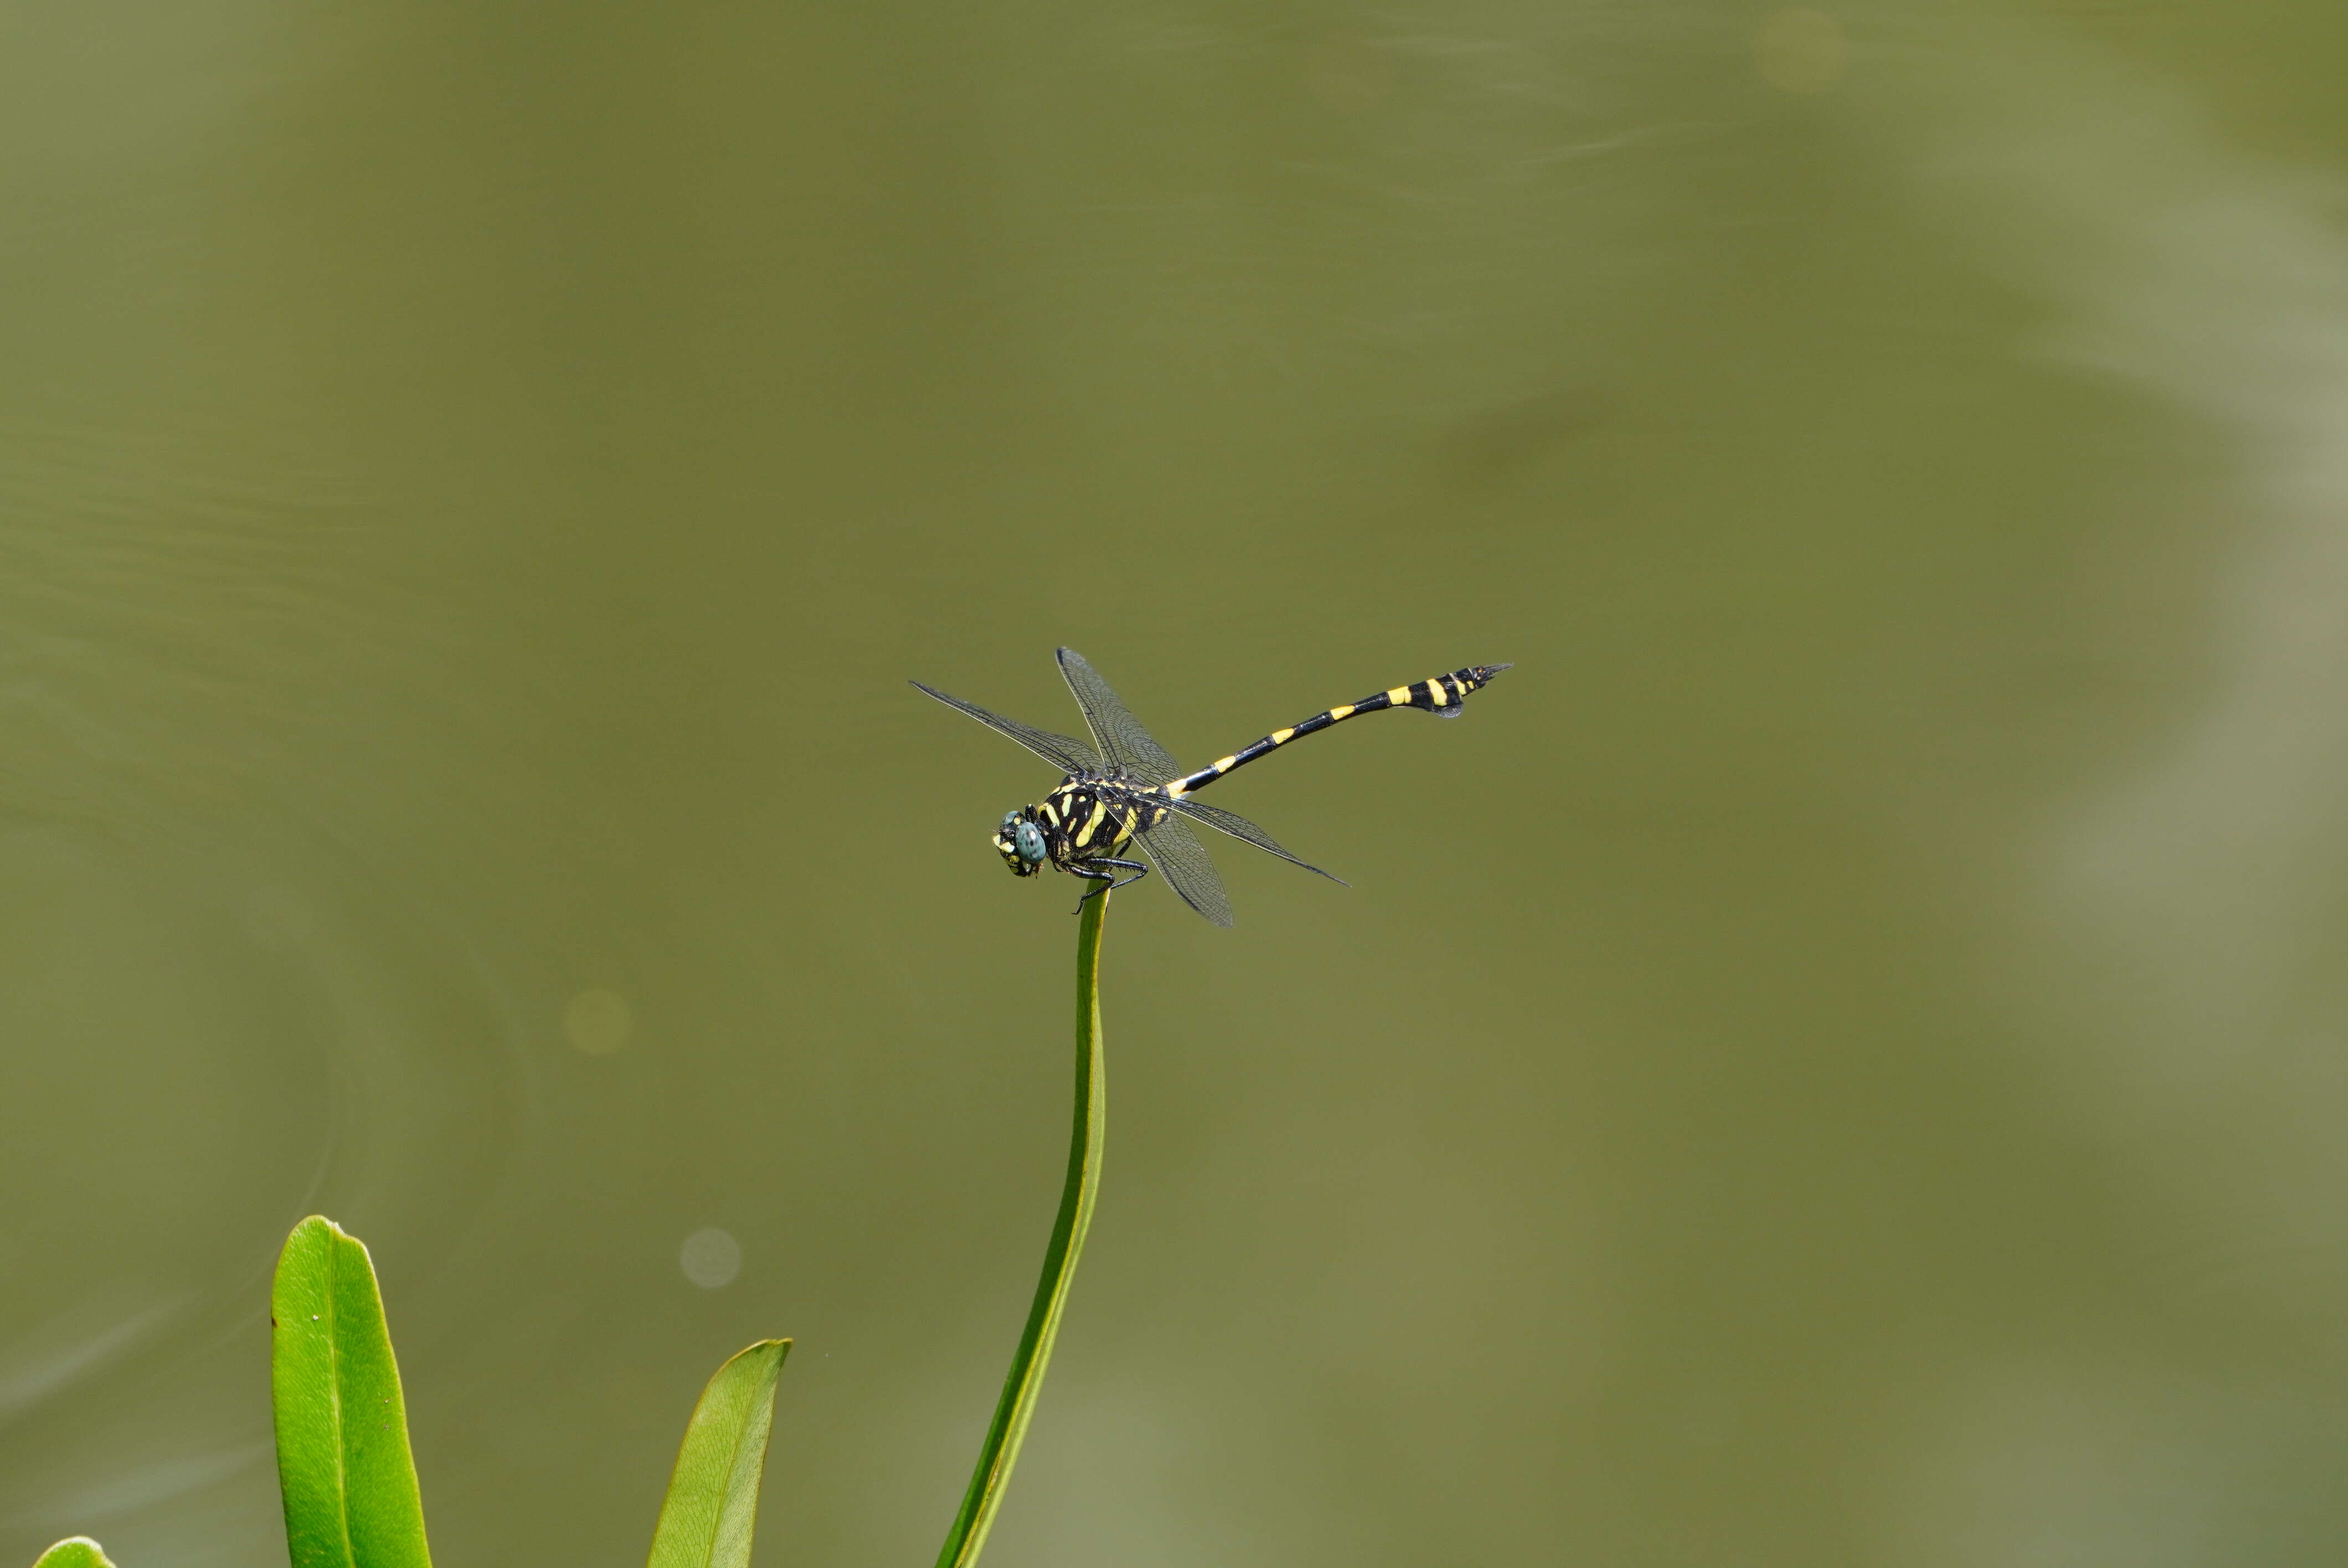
<point x="1129" y="748"/>
<point x="1066" y="753"/>
<point x="1183" y="861"/>
<point x="1240" y="828"/>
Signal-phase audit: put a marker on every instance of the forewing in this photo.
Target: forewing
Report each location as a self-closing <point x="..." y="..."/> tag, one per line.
<point x="1238" y="827"/>
<point x="1064" y="752"/>
<point x="1182" y="860"/>
<point x="1123" y="741"/>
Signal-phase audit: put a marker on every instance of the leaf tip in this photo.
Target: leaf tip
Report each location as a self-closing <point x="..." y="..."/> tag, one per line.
<point x="74" y="1551"/>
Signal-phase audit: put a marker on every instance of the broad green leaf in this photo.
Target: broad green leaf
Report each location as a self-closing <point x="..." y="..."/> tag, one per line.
<point x="74" y="1551"/>
<point x="713" y="1493"/>
<point x="343" y="1464"/>
<point x="1000" y="1451"/>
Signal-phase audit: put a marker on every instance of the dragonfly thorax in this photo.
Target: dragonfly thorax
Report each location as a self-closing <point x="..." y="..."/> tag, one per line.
<point x="1089" y="816"/>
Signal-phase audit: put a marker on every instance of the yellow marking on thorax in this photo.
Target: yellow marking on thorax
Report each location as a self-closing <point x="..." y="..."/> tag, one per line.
<point x="1050" y="812"/>
<point x="1084" y="834"/>
<point x="1281" y="737"/>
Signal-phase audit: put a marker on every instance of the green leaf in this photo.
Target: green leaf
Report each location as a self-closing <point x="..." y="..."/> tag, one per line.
<point x="1000" y="1451"/>
<point x="343" y="1464"/>
<point x="74" y="1551"/>
<point x="713" y="1493"/>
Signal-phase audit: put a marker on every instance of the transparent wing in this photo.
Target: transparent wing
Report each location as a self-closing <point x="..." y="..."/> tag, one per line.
<point x="1238" y="827"/>
<point x="1123" y="741"/>
<point x="1182" y="860"/>
<point x="1064" y="752"/>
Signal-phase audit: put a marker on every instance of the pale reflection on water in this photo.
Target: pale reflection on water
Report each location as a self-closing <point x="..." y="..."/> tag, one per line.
<point x="1837" y="1061"/>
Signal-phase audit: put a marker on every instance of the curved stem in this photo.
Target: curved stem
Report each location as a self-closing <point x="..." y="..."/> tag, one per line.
<point x="1012" y="1410"/>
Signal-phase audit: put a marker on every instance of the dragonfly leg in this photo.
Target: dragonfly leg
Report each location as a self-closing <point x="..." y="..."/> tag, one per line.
<point x="1106" y="881"/>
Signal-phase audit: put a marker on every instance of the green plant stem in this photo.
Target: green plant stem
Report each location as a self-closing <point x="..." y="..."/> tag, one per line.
<point x="1012" y="1410"/>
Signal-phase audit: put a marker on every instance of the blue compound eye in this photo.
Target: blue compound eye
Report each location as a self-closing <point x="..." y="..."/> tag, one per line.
<point x="1028" y="840"/>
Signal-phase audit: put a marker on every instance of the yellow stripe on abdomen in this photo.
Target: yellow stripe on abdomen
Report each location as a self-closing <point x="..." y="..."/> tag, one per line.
<point x="1281" y="737"/>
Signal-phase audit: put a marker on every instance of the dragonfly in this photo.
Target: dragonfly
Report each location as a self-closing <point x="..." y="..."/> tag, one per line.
<point x="1123" y="792"/>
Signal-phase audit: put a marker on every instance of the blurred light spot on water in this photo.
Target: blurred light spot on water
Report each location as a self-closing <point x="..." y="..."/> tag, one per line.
<point x="2058" y="1466"/>
<point x="710" y="1258"/>
<point x="2206" y="872"/>
<point x="1347" y="72"/>
<point x="598" y="1021"/>
<point x="1800" y="50"/>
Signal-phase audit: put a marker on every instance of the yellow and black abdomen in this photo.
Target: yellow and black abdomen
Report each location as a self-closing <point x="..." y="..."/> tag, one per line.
<point x="1441" y="695"/>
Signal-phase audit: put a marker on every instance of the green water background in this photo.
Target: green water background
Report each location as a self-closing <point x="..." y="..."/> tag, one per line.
<point x="1837" y="1059"/>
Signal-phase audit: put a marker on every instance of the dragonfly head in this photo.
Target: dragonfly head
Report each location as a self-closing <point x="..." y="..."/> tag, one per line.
<point x="1021" y="844"/>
